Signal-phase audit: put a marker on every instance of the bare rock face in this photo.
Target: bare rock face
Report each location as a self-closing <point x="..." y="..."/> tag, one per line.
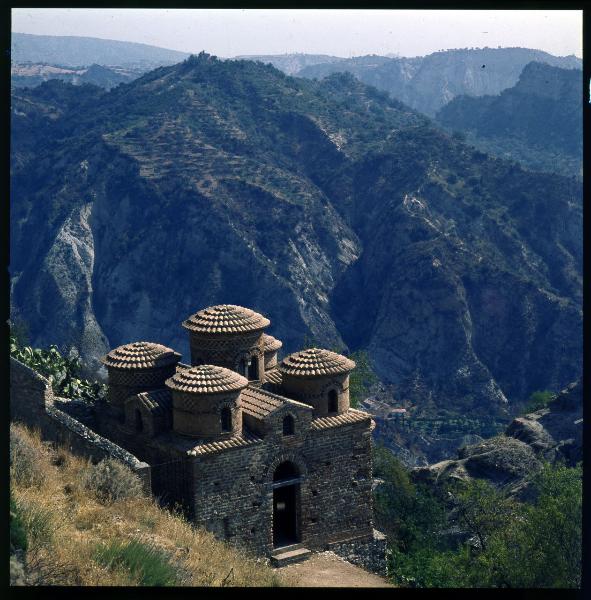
<point x="555" y="432"/>
<point x="509" y="460"/>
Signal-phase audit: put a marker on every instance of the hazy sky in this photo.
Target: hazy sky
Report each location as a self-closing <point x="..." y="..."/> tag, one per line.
<point x="231" y="32"/>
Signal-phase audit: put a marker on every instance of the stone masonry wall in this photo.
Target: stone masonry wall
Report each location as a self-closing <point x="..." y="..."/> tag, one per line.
<point x="32" y="403"/>
<point x="234" y="493"/>
<point x="370" y="555"/>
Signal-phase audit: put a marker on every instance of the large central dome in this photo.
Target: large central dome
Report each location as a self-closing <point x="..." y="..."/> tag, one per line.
<point x="226" y="318"/>
<point x="316" y="362"/>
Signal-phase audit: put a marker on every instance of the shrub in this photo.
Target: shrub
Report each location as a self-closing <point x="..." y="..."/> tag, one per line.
<point x="26" y="459"/>
<point x="110" y="481"/>
<point x="38" y="523"/>
<point x="62" y="373"/>
<point x="149" y="564"/>
<point x="539" y="400"/>
<point x="18" y="575"/>
<point x="18" y="536"/>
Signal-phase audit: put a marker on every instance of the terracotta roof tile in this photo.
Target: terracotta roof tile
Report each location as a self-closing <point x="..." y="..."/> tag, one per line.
<point x="244" y="439"/>
<point x="315" y="362"/>
<point x="206" y="379"/>
<point x="271" y="344"/>
<point x="351" y="416"/>
<point x="141" y="355"/>
<point x="259" y="403"/>
<point x="157" y="401"/>
<point x="274" y="376"/>
<point x="226" y="318"/>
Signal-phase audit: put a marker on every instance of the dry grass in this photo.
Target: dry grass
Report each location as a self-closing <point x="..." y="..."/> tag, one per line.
<point x="67" y="526"/>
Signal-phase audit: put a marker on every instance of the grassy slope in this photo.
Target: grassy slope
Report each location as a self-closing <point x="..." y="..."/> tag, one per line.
<point x="66" y="526"/>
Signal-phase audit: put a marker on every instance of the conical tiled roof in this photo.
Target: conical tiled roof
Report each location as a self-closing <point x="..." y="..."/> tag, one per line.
<point x="314" y="362"/>
<point x="206" y="379"/>
<point x="141" y="355"/>
<point x="271" y="344"/>
<point x="225" y="318"/>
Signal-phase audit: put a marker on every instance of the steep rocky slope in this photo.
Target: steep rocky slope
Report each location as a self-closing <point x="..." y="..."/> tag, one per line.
<point x="538" y="122"/>
<point x="551" y="434"/>
<point x="428" y="83"/>
<point x="339" y="213"/>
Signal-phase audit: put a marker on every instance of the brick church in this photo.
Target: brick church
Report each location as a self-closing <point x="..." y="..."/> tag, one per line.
<point x="266" y="454"/>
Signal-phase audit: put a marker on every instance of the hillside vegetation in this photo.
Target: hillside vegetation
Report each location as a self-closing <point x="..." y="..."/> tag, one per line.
<point x="74" y="523"/>
<point x="469" y="533"/>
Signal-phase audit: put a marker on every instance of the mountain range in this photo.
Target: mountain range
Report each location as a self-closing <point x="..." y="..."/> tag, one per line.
<point x="429" y="82"/>
<point x="343" y="215"/>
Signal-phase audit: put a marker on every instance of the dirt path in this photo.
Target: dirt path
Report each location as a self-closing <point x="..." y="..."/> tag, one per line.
<point x="326" y="569"/>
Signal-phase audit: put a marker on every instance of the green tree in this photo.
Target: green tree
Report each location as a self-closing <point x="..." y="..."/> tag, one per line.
<point x="539" y="400"/>
<point x="362" y="378"/>
<point x="543" y="546"/>
<point x="480" y="510"/>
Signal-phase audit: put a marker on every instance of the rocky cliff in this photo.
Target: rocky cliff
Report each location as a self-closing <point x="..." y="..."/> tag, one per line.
<point x="341" y="214"/>
<point x="551" y="434"/>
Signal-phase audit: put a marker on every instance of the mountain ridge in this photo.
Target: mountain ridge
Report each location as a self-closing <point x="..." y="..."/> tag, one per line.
<point x="78" y="51"/>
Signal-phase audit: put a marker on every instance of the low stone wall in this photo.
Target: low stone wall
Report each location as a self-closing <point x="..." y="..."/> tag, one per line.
<point x="32" y="402"/>
<point x="368" y="554"/>
<point x="30" y="393"/>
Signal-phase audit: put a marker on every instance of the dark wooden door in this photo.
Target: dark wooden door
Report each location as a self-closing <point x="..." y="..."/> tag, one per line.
<point x="284" y="516"/>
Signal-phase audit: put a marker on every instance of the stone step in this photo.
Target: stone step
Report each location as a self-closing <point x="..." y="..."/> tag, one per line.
<point x="289" y="555"/>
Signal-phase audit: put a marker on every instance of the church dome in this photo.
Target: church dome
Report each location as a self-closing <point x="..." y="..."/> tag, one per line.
<point x="271" y="344"/>
<point x="141" y="355"/>
<point x="206" y="379"/>
<point x="315" y="362"/>
<point x="225" y="318"/>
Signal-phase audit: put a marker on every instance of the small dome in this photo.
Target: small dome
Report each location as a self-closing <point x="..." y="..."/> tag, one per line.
<point x="225" y="318"/>
<point x="141" y="355"/>
<point x="314" y="362"/>
<point x="206" y="379"/>
<point x="271" y="344"/>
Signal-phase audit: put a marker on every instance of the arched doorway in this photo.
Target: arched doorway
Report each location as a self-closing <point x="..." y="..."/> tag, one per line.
<point x="286" y="488"/>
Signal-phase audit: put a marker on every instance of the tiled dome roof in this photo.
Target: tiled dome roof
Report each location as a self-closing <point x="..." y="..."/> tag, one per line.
<point x="141" y="355"/>
<point x="206" y="379"/>
<point x="225" y="318"/>
<point x="314" y="362"/>
<point x="271" y="344"/>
